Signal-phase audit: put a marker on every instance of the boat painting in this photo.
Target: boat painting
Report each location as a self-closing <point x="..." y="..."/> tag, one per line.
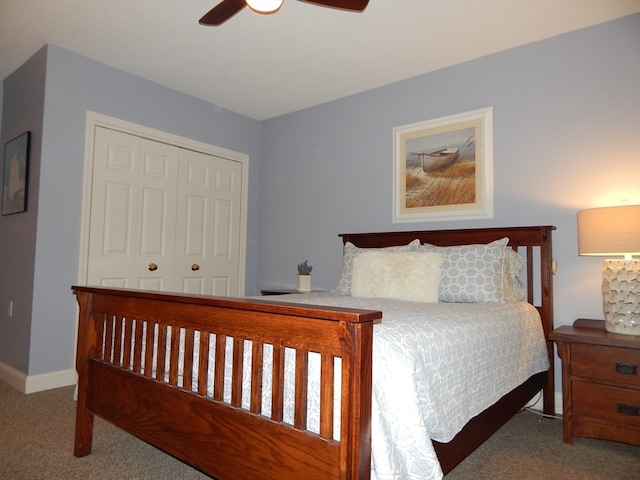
<point x="439" y="159"/>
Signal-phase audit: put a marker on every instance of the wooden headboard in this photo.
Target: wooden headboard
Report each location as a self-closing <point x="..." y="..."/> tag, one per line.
<point x="532" y="242"/>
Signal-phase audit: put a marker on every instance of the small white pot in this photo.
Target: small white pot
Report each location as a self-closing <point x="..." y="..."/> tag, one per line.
<point x="304" y="283"/>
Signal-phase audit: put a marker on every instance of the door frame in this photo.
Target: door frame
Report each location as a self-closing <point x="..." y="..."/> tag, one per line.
<point x="94" y="120"/>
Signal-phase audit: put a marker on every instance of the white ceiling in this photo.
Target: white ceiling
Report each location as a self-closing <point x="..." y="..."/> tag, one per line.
<point x="263" y="66"/>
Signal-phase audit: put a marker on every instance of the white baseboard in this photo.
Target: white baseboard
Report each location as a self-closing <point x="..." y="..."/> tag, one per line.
<point x="36" y="383"/>
<point x="13" y="377"/>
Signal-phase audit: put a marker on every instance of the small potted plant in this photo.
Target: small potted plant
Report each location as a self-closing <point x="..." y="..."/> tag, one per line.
<point x="304" y="276"/>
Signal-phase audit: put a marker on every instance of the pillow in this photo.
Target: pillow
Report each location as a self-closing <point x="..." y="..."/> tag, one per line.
<point x="512" y="288"/>
<point x="412" y="276"/>
<point x="472" y="273"/>
<point x="351" y="251"/>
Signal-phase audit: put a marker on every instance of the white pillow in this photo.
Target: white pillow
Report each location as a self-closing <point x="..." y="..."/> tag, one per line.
<point x="351" y="251"/>
<point x="412" y="276"/>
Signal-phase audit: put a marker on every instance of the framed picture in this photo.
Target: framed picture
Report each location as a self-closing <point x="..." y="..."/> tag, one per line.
<point x="443" y="169"/>
<point x="16" y="174"/>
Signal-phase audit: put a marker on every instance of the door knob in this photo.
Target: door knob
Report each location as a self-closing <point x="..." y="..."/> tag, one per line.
<point x="195" y="267"/>
<point x="153" y="267"/>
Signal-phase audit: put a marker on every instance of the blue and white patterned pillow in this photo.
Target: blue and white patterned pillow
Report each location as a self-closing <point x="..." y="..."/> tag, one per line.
<point x="351" y="251"/>
<point x="472" y="273"/>
<point x="513" y="289"/>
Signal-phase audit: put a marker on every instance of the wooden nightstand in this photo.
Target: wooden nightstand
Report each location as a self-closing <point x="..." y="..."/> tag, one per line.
<point x="278" y="291"/>
<point x="600" y="382"/>
<point x="282" y="291"/>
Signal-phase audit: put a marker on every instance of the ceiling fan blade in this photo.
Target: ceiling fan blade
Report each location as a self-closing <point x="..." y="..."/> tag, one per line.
<point x="355" y="5"/>
<point x="222" y="12"/>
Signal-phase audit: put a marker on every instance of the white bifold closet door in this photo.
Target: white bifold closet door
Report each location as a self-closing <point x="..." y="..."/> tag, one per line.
<point x="163" y="217"/>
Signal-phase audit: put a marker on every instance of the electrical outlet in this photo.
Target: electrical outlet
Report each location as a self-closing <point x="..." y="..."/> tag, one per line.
<point x="10" y="309"/>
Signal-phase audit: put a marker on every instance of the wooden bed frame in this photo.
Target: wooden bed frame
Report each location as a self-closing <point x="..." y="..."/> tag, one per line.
<point x="118" y="379"/>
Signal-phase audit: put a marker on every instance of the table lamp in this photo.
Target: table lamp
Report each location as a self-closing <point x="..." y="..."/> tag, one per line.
<point x="612" y="232"/>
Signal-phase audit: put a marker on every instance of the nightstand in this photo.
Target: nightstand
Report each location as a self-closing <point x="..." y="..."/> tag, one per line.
<point x="600" y="382"/>
<point x="282" y="291"/>
<point x="278" y="291"/>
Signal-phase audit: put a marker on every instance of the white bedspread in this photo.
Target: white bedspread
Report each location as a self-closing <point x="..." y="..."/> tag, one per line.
<point x="436" y="366"/>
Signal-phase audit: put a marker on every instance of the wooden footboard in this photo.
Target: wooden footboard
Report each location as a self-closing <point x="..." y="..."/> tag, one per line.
<point x="133" y="374"/>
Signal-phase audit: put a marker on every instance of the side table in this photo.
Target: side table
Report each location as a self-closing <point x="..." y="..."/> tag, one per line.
<point x="600" y="382"/>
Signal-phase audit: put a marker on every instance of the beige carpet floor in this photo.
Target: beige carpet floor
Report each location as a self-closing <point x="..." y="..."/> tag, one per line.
<point x="36" y="443"/>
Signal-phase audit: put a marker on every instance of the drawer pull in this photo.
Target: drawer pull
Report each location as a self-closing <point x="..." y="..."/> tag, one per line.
<point x="626" y="368"/>
<point x="628" y="409"/>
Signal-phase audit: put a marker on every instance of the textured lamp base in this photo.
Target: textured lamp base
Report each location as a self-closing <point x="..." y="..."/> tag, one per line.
<point x="621" y="296"/>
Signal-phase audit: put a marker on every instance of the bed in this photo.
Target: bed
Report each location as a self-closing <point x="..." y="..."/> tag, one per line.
<point x="197" y="398"/>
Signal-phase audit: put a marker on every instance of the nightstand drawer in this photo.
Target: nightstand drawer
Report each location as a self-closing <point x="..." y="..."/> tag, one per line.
<point x="620" y="405"/>
<point x="611" y="364"/>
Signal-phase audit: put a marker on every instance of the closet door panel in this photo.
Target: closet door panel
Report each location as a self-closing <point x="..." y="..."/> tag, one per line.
<point x="157" y="215"/>
<point x="193" y="227"/>
<point x="113" y="209"/>
<point x="225" y="253"/>
<point x="133" y="209"/>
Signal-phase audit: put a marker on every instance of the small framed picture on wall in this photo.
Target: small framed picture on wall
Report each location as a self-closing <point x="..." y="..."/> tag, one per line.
<point x="16" y="174"/>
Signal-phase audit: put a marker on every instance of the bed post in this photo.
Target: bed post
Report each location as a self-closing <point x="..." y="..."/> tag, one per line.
<point x="355" y="435"/>
<point x="546" y="312"/>
<point x="87" y="342"/>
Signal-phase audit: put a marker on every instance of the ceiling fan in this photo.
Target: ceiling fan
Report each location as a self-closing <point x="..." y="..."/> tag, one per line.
<point x="228" y="8"/>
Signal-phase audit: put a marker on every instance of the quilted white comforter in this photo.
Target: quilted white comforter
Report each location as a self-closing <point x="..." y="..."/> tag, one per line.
<point x="436" y="366"/>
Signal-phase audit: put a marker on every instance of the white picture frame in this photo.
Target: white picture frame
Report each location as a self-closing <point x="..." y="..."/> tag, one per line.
<point x="443" y="168"/>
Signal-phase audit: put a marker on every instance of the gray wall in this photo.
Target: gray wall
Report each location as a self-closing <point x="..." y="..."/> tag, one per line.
<point x="73" y="85"/>
<point x="566" y="137"/>
<point x="23" y="106"/>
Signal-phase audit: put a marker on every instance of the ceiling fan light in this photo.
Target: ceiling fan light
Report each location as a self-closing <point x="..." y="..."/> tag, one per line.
<point x="264" y="6"/>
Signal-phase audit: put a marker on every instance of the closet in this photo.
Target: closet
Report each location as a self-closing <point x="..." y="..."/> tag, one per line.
<point x="164" y="217"/>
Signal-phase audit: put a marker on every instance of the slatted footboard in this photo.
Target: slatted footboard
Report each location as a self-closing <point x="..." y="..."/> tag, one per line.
<point x="155" y="365"/>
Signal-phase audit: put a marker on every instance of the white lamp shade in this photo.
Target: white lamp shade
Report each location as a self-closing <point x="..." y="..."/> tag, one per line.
<point x="264" y="6"/>
<point x="609" y="231"/>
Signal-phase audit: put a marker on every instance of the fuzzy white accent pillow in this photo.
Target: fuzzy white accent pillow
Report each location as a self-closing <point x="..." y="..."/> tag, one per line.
<point x="351" y="252"/>
<point x="412" y="276"/>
